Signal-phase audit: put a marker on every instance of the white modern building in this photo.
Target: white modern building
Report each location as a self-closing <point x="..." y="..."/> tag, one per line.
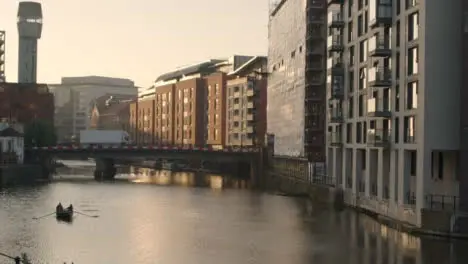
<point x="73" y="99"/>
<point x="393" y="117"/>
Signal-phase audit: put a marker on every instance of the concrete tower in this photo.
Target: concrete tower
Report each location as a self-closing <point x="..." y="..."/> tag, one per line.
<point x="29" y="31"/>
<point x="2" y="56"/>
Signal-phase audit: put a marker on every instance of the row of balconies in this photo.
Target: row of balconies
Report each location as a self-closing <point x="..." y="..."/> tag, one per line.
<point x="376" y="107"/>
<point x="380" y="13"/>
<point x="377" y="46"/>
<point x="377" y="77"/>
<point x="375" y="138"/>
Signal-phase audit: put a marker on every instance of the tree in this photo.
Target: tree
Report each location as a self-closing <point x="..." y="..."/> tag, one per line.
<point x="39" y="133"/>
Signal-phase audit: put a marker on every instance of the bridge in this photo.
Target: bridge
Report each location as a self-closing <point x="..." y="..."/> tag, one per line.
<point x="105" y="156"/>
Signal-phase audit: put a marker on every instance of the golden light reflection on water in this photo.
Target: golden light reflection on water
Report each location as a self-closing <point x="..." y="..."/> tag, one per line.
<point x="185" y="179"/>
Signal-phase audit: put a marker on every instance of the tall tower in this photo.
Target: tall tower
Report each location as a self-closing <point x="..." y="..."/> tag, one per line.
<point x="29" y="31"/>
<point x="2" y="56"/>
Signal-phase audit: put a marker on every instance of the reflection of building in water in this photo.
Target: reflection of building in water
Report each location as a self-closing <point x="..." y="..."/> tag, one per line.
<point x="379" y="244"/>
<point x="187" y="179"/>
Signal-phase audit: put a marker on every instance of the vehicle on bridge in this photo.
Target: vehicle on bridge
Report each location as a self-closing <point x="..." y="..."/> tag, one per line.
<point x="104" y="138"/>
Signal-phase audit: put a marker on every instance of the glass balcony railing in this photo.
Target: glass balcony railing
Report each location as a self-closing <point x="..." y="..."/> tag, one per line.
<point x="378" y="47"/>
<point x="378" y="137"/>
<point x="379" y="77"/>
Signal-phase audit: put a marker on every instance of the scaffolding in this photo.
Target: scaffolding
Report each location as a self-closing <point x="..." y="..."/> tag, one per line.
<point x="315" y="86"/>
<point x="2" y="56"/>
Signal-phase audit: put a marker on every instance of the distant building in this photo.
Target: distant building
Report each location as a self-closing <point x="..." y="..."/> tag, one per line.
<point x="29" y="22"/>
<point x="24" y="103"/>
<point x="74" y="97"/>
<point x="11" y="144"/>
<point x="111" y="112"/>
<point x="246" y="104"/>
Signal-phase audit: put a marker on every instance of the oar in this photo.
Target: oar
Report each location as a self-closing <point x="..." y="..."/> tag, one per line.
<point x="16" y="259"/>
<point x="95" y="216"/>
<point x="43" y="216"/>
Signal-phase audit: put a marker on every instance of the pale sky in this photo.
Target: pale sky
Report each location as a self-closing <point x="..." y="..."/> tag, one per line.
<point x="136" y="39"/>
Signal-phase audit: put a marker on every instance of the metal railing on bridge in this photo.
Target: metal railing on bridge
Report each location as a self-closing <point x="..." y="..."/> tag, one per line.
<point x="148" y="147"/>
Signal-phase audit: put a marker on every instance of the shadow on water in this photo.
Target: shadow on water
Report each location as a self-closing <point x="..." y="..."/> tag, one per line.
<point x="348" y="237"/>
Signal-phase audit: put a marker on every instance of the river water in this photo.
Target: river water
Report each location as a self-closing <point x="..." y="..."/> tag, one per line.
<point x="156" y="217"/>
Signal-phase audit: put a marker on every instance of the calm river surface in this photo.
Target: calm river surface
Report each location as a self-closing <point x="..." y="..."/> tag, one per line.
<point x="160" y="218"/>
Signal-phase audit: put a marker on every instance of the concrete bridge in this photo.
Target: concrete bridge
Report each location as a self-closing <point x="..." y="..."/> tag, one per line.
<point x="105" y="156"/>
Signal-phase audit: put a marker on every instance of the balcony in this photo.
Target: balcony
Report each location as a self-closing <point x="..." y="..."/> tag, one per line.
<point x="314" y="65"/>
<point x="250" y="92"/>
<point x="335" y="43"/>
<point x="335" y="139"/>
<point x="379" y="107"/>
<point x="335" y="2"/>
<point x="335" y="20"/>
<point x="336" y="115"/>
<point x="379" y="77"/>
<point x="335" y="66"/>
<point x="250" y="117"/>
<point x="379" y="138"/>
<point x="250" y="105"/>
<point x="378" y="47"/>
<point x="336" y="83"/>
<point x="380" y="12"/>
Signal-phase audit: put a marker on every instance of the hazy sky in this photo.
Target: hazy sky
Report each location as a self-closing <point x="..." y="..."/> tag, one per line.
<point x="136" y="39"/>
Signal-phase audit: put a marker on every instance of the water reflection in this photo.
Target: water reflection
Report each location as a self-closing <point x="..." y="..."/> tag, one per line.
<point x="152" y="223"/>
<point x="185" y="179"/>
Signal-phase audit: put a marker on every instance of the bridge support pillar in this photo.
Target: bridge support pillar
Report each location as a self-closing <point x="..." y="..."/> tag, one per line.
<point x="105" y="169"/>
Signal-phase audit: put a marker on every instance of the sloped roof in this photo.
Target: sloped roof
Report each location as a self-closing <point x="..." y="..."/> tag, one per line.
<point x="101" y="102"/>
<point x="10" y="132"/>
<point x="114" y="108"/>
<point x="199" y="67"/>
<point x="246" y="65"/>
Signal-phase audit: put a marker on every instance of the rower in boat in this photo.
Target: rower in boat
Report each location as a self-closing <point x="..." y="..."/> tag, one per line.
<point x="59" y="208"/>
<point x="70" y="208"/>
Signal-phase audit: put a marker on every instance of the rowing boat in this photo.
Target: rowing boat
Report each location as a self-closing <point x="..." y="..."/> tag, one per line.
<point x="64" y="214"/>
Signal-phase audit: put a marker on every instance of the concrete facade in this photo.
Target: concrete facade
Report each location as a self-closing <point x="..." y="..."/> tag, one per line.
<point x="296" y="83"/>
<point x="393" y="117"/>
<point x="29" y="24"/>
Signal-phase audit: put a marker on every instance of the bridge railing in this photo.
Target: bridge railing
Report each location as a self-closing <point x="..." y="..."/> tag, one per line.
<point x="77" y="147"/>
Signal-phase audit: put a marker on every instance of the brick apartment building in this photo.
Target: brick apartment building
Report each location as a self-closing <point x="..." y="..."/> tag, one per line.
<point x="189" y="106"/>
<point x="24" y="103"/>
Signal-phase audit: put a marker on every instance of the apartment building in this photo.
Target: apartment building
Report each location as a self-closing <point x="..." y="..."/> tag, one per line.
<point x="164" y="125"/>
<point x="296" y="83"/>
<point x="195" y="104"/>
<point x="216" y="108"/>
<point x="190" y="112"/>
<point x="2" y="56"/>
<point x="143" y="118"/>
<point x="393" y="117"/>
<point x="246" y="104"/>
